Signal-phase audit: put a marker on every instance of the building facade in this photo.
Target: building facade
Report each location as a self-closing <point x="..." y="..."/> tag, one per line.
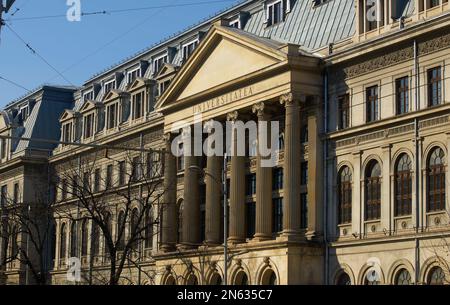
<point x="358" y="192"/>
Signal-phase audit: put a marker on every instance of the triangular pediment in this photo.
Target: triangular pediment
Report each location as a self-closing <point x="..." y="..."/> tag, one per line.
<point x="88" y="105"/>
<point x="166" y="69"/>
<point x="137" y="83"/>
<point x="224" y="56"/>
<point x="111" y="95"/>
<point x="66" y="115"/>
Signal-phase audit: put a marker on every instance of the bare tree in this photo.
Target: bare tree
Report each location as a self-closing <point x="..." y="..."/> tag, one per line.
<point x="118" y="195"/>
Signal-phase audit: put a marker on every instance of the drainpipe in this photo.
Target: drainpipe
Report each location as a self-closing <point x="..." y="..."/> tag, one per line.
<point x="417" y="176"/>
<point x="325" y="174"/>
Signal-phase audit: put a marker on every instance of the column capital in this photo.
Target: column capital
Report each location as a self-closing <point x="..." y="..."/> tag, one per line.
<point x="232" y="116"/>
<point x="291" y="98"/>
<point x="258" y="108"/>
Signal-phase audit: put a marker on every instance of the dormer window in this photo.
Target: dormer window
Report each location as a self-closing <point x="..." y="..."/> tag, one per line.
<point x="276" y="11"/>
<point x="163" y="87"/>
<point x="88" y="126"/>
<point x="67" y="133"/>
<point x="24" y="113"/>
<point x="189" y="48"/>
<point x="110" y="86"/>
<point x="138" y="105"/>
<point x="112" y="115"/>
<point x="133" y="75"/>
<point x="3" y="148"/>
<point x="88" y="96"/>
<point x="159" y="62"/>
<point x="235" y="23"/>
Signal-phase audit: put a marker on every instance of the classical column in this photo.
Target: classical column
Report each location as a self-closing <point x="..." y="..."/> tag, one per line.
<point x="213" y="194"/>
<point x="237" y="186"/>
<point x="315" y="170"/>
<point x="291" y="168"/>
<point x="263" y="179"/>
<point x="169" y="211"/>
<point x="191" y="210"/>
<point x="357" y="198"/>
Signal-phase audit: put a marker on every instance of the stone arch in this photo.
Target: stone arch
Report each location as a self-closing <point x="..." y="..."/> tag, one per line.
<point x="367" y="161"/>
<point x="265" y="268"/>
<point x="211" y="275"/>
<point x="429" y="264"/>
<point x="429" y="149"/>
<point x="237" y="270"/>
<point x="191" y="275"/>
<point x="396" y="267"/>
<point x="363" y="271"/>
<point x="343" y="268"/>
<point x="396" y="156"/>
<point x="168" y="277"/>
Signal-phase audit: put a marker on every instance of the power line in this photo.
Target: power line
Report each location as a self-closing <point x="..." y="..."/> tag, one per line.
<point x="37" y="54"/>
<point x="109" y="12"/>
<point x="14" y="83"/>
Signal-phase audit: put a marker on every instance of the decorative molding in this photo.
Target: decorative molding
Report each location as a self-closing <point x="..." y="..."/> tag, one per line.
<point x="258" y="109"/>
<point x="232" y="116"/>
<point x="434" y="45"/>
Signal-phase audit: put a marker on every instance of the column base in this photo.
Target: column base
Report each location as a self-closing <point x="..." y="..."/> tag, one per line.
<point x="187" y="246"/>
<point x="314" y="236"/>
<point x="168" y="248"/>
<point x="291" y="235"/>
<point x="212" y="243"/>
<point x="262" y="237"/>
<point x="236" y="240"/>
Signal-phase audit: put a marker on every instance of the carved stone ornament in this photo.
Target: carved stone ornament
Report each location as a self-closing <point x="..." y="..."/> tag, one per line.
<point x="287" y="99"/>
<point x="232" y="116"/>
<point x="258" y="109"/>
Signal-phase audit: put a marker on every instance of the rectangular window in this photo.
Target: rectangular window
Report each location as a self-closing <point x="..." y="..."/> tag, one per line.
<point x="88" y="126"/>
<point x="110" y="86"/>
<point x="2" y="148"/>
<point x="434" y="3"/>
<point x="16" y="193"/>
<point x="154" y="165"/>
<point x="372" y="104"/>
<point x="304" y="173"/>
<point x="434" y="86"/>
<point x="112" y="116"/>
<point x="163" y="87"/>
<point x="277" y="215"/>
<point x="304" y="210"/>
<point x="250" y="219"/>
<point x="64" y="189"/>
<point x="344" y="111"/>
<point x="137" y="169"/>
<point x="159" y="62"/>
<point x="235" y="23"/>
<point x="276" y="12"/>
<point x="109" y="174"/>
<point x="67" y="132"/>
<point x="138" y="105"/>
<point x="133" y="75"/>
<point x="89" y="96"/>
<point x="86" y="182"/>
<point x="189" y="48"/>
<point x="122" y="172"/>
<point x="250" y="188"/>
<point x="4" y="196"/>
<point x="97" y="179"/>
<point x="180" y="159"/>
<point x="277" y="179"/>
<point x="402" y="95"/>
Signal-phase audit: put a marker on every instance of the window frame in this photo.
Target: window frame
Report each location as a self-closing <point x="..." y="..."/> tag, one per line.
<point x="402" y="92"/>
<point x="431" y="81"/>
<point x="344" y="120"/>
<point x="372" y="102"/>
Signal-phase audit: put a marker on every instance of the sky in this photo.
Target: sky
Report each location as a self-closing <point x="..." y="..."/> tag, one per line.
<point x="77" y="50"/>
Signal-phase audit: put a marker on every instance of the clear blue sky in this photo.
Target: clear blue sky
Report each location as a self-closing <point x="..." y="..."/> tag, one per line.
<point x="80" y="49"/>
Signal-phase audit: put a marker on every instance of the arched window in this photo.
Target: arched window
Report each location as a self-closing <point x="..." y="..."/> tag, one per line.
<point x="343" y="279"/>
<point x="436" y="181"/>
<point x="149" y="229"/>
<point x="345" y="195"/>
<point x="84" y="238"/>
<point x="135" y="234"/>
<point x="192" y="280"/>
<point x="108" y="223"/>
<point x="372" y="278"/>
<point x="436" y="276"/>
<point x="403" y="277"/>
<point x="63" y="242"/>
<point x="95" y="239"/>
<point x="216" y="279"/>
<point x="121" y="231"/>
<point x="403" y="186"/>
<point x="180" y="221"/>
<point x="241" y="279"/>
<point x="373" y="191"/>
<point x="170" y="281"/>
<point x="269" y="278"/>
<point x="73" y="240"/>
